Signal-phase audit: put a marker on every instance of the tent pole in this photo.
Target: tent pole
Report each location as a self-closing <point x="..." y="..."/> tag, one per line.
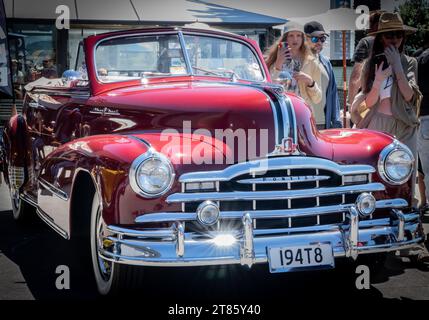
<point x="344" y="80"/>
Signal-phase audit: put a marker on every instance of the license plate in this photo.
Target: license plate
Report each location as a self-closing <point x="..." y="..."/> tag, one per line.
<point x="297" y="258"/>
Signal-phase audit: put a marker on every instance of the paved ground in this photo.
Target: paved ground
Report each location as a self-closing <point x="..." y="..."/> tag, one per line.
<point x="29" y="256"/>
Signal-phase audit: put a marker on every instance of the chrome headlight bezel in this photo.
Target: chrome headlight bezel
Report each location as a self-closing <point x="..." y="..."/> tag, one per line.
<point x="384" y="155"/>
<point x="135" y="171"/>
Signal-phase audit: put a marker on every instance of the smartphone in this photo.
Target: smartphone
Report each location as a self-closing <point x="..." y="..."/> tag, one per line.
<point x="284" y="44"/>
<point x="379" y="58"/>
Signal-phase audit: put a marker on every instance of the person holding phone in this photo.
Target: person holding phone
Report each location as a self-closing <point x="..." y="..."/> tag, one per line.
<point x="389" y="83"/>
<point x="391" y="93"/>
<point x="305" y="71"/>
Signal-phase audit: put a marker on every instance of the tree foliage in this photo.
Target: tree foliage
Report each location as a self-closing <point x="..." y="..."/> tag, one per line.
<point x="415" y="13"/>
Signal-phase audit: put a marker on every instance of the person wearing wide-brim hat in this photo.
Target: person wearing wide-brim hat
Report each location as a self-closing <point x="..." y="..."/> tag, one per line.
<point x="390" y="90"/>
<point x="361" y="53"/>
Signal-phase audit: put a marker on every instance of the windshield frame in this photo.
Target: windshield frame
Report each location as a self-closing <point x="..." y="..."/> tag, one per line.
<point x="189" y="68"/>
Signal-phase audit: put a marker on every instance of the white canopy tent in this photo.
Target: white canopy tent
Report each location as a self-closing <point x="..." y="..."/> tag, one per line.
<point x="144" y="11"/>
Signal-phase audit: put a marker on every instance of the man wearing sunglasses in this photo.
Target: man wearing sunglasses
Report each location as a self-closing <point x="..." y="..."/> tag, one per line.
<point x="328" y="115"/>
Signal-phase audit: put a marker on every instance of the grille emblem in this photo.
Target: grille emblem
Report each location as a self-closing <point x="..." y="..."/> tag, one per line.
<point x="283" y="179"/>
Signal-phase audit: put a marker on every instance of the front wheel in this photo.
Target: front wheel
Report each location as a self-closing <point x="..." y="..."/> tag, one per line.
<point x="111" y="278"/>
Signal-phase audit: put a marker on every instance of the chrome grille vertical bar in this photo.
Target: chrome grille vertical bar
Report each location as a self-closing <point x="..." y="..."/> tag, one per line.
<point x="253" y="189"/>
<point x="180" y="241"/>
<point x="353" y="239"/>
<point x="317" y="183"/>
<point x="401" y="224"/>
<point x="183" y="191"/>
<point x="217" y="184"/>
<point x="247" y="251"/>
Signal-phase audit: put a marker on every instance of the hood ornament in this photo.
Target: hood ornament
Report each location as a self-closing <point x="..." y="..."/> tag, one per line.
<point x="286" y="147"/>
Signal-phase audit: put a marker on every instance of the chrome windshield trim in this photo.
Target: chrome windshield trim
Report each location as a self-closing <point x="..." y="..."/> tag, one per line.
<point x="273" y="195"/>
<point x="185" y="54"/>
<point x="177" y="31"/>
<point x="275" y="163"/>
<point x="266" y="214"/>
<point x="227" y="37"/>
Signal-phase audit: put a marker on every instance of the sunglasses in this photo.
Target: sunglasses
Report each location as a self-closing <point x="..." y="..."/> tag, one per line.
<point x="393" y="34"/>
<point x="316" y="39"/>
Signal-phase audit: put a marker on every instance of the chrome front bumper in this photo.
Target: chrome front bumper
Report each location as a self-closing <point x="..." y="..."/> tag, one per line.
<point x="173" y="247"/>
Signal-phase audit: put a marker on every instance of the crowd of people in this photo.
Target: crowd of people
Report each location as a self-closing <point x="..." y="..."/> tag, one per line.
<point x="385" y="92"/>
<point x="24" y="71"/>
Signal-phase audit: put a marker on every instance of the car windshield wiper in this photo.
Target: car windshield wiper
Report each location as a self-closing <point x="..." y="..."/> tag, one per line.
<point x="208" y="71"/>
<point x="232" y="75"/>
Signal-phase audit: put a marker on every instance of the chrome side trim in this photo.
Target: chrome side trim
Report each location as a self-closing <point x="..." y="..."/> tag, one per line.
<point x="275" y="163"/>
<point x="28" y="199"/>
<point x="49" y="221"/>
<point x="54" y="190"/>
<point x="265" y="214"/>
<point x="273" y="195"/>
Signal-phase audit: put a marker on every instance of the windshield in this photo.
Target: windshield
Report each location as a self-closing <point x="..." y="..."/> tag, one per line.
<point x="136" y="57"/>
<point x="124" y="59"/>
<point x="223" y="57"/>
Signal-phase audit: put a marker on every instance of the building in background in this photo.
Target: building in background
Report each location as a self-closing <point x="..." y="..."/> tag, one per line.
<point x="42" y="49"/>
<point x="39" y="48"/>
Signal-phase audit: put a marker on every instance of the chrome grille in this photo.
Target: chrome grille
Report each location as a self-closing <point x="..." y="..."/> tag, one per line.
<point x="284" y="196"/>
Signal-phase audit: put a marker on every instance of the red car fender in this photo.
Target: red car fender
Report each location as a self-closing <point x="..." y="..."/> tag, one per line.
<point x="107" y="160"/>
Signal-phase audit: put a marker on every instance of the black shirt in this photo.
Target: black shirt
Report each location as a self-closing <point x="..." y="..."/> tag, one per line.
<point x="363" y="49"/>
<point x="423" y="81"/>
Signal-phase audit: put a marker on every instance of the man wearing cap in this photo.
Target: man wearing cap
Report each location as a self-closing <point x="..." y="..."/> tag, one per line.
<point x="328" y="115"/>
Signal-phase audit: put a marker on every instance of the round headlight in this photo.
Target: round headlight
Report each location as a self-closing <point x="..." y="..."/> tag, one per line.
<point x="396" y="164"/>
<point x="366" y="204"/>
<point x="151" y="175"/>
<point x="208" y="213"/>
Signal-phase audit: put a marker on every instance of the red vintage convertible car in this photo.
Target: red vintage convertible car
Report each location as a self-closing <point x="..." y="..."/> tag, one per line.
<point x="174" y="148"/>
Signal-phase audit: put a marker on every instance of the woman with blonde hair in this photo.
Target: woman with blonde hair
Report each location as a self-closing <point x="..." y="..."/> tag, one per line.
<point x="289" y="47"/>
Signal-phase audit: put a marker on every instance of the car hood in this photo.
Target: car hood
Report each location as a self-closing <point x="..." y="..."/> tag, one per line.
<point x="202" y="107"/>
